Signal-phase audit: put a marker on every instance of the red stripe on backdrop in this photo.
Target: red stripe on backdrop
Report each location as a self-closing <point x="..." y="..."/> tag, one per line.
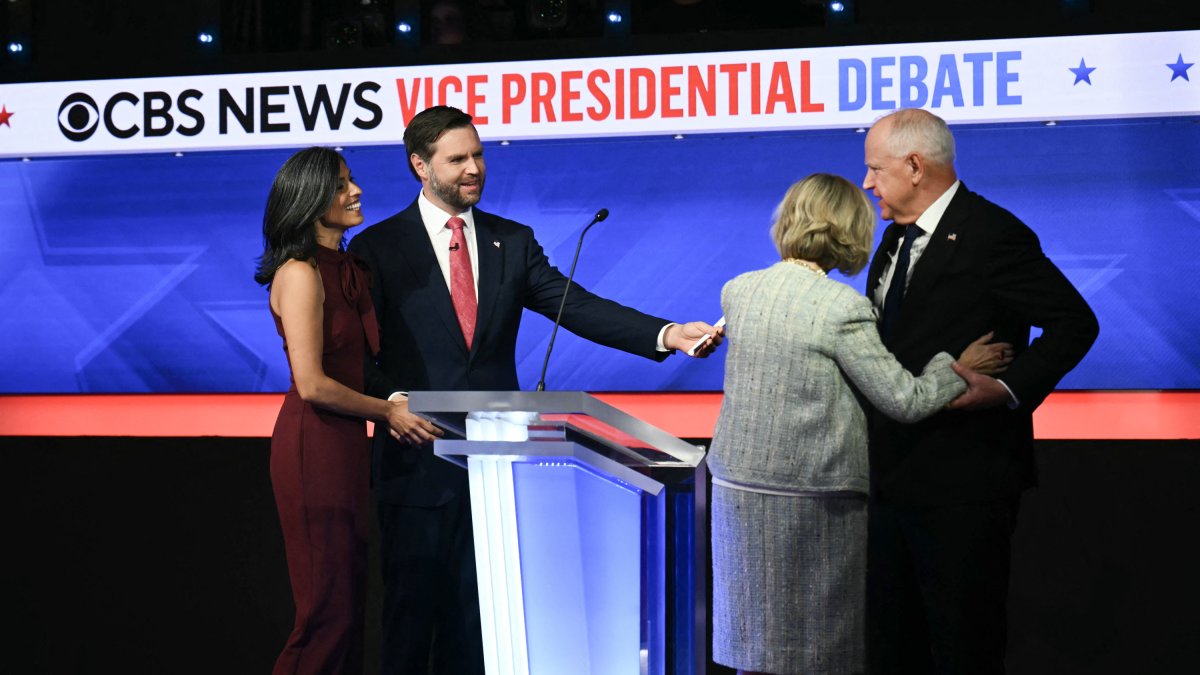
<point x="1064" y="415"/>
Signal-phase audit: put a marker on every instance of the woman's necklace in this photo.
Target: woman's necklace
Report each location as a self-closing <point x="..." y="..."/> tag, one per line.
<point x="807" y="264"/>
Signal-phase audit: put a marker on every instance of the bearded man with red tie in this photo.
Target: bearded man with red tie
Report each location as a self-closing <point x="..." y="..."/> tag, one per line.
<point x="449" y="283"/>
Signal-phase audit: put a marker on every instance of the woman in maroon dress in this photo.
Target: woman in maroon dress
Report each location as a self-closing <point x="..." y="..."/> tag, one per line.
<point x="320" y="457"/>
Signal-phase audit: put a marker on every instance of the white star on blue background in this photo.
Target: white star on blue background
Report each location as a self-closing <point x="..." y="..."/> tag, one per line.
<point x="1082" y="73"/>
<point x="1179" y="69"/>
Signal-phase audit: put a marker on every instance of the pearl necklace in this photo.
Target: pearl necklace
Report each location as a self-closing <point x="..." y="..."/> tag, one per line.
<point x="806" y="264"/>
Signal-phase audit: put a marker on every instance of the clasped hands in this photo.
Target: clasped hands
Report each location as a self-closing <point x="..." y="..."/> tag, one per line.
<point x="978" y="362"/>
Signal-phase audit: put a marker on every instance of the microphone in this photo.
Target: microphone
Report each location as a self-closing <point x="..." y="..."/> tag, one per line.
<point x="600" y="215"/>
<point x="454" y="246"/>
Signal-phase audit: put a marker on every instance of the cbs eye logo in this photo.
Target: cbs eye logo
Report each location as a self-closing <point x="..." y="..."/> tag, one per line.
<point x="78" y="117"/>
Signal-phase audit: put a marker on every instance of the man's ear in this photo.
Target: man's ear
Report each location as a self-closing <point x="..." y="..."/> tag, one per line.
<point x="916" y="167"/>
<point x="419" y="166"/>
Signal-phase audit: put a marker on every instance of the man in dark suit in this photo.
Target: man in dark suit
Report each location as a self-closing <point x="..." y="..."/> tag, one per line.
<point x="945" y="492"/>
<point x="449" y="283"/>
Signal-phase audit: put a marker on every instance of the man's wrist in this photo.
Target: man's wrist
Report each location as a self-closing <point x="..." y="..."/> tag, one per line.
<point x="662" y="338"/>
<point x="398" y="396"/>
<point x="1013" y="402"/>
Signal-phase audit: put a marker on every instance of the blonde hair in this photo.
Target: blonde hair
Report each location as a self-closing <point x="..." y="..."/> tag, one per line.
<point x="828" y="220"/>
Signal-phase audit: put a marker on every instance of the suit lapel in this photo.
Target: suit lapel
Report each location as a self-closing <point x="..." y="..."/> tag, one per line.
<point x="417" y="251"/>
<point x="941" y="247"/>
<point x="490" y="250"/>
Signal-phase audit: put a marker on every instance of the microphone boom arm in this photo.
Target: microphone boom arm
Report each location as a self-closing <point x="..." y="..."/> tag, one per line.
<point x="600" y="215"/>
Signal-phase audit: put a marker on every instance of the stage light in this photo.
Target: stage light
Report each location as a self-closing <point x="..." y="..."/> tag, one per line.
<point x="839" y="12"/>
<point x="404" y="27"/>
<point x="205" y="38"/>
<point x="616" y="18"/>
<point x="15" y="48"/>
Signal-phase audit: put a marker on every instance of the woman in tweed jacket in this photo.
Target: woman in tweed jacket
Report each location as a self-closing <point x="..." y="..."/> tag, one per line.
<point x="789" y="456"/>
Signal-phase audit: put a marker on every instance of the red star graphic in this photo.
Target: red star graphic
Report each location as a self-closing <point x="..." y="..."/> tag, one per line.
<point x="4" y="115"/>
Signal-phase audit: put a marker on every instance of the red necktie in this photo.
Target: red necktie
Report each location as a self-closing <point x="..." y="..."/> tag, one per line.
<point x="462" y="279"/>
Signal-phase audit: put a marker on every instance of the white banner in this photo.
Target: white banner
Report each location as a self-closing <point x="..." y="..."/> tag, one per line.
<point x="1060" y="78"/>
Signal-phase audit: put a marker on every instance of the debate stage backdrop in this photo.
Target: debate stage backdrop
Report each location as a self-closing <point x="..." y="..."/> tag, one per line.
<point x="132" y="272"/>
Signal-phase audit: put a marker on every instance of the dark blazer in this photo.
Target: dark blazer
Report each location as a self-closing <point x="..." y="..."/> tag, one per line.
<point x="983" y="270"/>
<point x="422" y="347"/>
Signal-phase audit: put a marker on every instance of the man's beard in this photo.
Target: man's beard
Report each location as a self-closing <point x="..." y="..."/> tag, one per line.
<point x="449" y="193"/>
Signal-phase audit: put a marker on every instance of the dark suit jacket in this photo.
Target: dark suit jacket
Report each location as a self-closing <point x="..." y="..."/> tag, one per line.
<point x="983" y="270"/>
<point x="422" y="347"/>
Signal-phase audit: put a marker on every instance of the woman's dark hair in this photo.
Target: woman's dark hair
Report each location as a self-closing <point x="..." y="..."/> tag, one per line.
<point x="302" y="192"/>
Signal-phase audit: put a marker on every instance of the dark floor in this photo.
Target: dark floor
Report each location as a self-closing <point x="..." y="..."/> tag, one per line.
<point x="164" y="556"/>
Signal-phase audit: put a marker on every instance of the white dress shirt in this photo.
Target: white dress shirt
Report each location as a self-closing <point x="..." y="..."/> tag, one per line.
<point x="439" y="235"/>
<point x="927" y="223"/>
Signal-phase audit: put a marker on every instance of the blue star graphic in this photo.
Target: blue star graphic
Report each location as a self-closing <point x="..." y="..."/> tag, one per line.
<point x="1082" y="73"/>
<point x="1179" y="69"/>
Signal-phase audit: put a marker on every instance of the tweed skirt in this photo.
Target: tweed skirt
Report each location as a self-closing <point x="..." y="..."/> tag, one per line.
<point x="789" y="582"/>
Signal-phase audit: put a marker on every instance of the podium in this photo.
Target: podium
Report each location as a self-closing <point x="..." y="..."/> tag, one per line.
<point x="589" y="529"/>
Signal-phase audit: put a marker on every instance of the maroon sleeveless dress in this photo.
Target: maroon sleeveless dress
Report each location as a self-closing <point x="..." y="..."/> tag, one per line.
<point x="320" y="473"/>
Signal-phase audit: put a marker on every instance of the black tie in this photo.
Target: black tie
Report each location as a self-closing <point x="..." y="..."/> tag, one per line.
<point x="895" y="292"/>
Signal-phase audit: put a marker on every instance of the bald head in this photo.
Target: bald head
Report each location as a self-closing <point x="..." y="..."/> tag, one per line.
<point x="910" y="130"/>
<point x="910" y="163"/>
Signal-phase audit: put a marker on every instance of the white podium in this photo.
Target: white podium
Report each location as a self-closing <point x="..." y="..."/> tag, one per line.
<point x="589" y="533"/>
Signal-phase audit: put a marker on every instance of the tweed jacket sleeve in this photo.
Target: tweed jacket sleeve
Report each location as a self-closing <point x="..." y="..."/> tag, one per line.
<point x="877" y="374"/>
<point x="801" y="350"/>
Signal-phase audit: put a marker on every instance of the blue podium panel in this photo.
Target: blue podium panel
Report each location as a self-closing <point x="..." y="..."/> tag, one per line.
<point x="591" y="570"/>
<point x="571" y="560"/>
<point x="583" y="522"/>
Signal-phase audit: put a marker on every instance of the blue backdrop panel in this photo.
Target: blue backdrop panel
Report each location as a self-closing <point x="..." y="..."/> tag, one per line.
<point x="134" y="273"/>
